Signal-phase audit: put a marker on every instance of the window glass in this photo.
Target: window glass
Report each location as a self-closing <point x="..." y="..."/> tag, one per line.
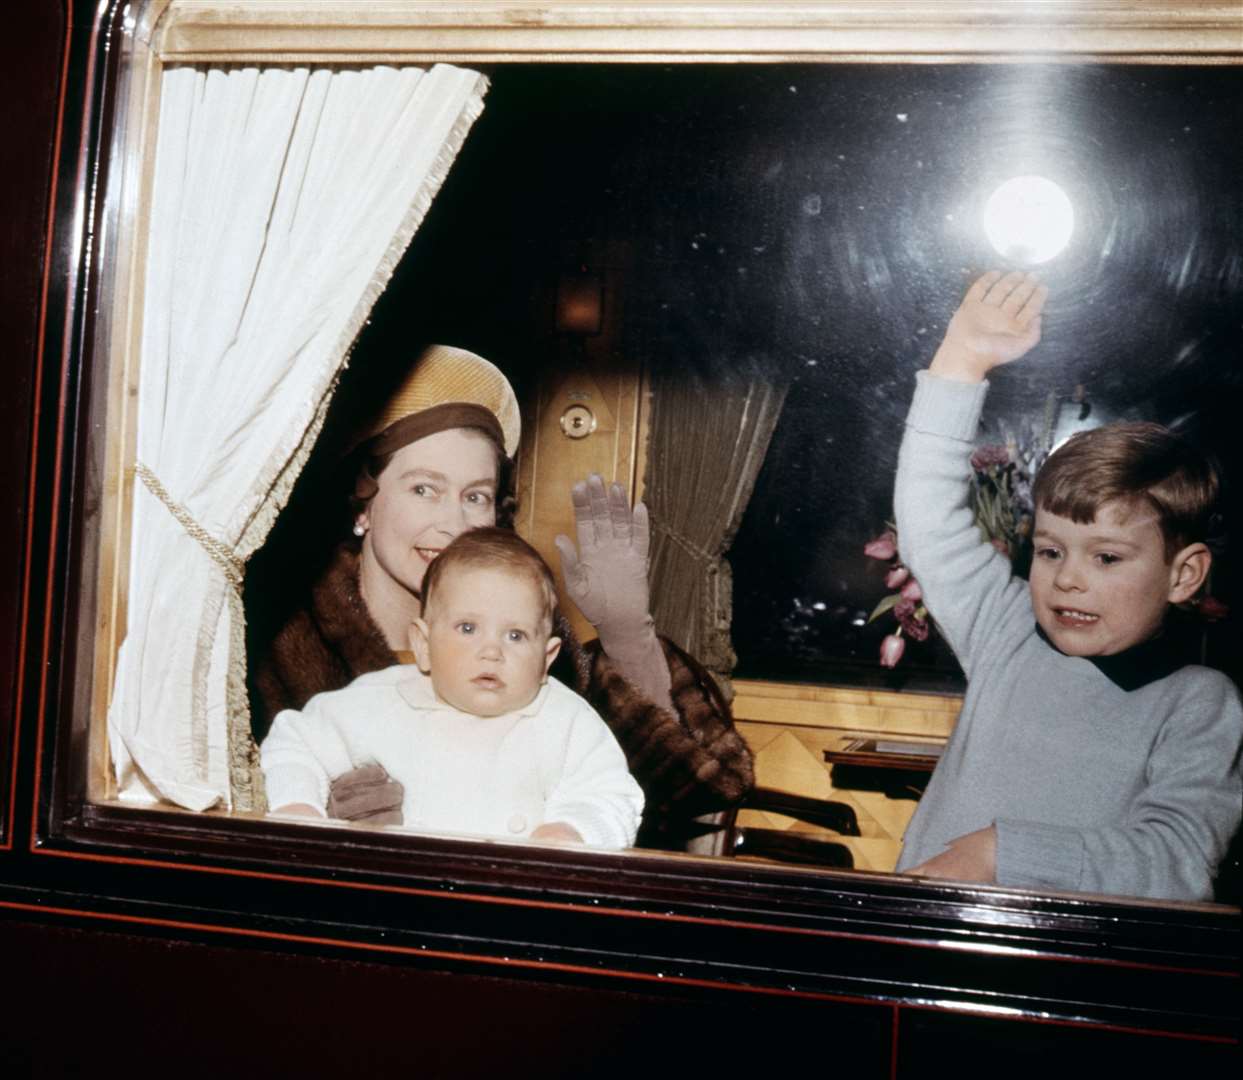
<point x="1143" y="321"/>
<point x="820" y="223"/>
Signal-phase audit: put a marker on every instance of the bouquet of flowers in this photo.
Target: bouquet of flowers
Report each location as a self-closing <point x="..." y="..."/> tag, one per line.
<point x="1001" y="500"/>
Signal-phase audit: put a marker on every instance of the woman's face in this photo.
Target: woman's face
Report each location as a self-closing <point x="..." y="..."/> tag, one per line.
<point x="430" y="492"/>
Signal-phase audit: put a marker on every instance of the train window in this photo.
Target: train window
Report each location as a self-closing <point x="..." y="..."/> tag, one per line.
<point x="802" y="223"/>
<point x="868" y="281"/>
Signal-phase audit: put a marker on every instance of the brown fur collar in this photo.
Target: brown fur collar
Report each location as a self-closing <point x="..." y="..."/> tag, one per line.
<point x="342" y="619"/>
<point x="688" y="762"/>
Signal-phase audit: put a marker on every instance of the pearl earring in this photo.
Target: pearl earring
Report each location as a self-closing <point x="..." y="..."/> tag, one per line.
<point x="360" y="529"/>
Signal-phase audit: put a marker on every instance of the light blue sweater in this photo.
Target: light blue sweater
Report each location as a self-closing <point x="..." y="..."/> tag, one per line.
<point x="1091" y="787"/>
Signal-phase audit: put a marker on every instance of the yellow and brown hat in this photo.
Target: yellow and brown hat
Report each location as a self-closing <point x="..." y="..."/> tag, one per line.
<point x="445" y="388"/>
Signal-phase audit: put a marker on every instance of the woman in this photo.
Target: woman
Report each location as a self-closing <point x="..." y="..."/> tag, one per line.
<point x="436" y="463"/>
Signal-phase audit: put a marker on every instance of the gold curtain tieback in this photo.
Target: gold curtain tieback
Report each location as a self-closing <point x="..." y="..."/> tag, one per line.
<point x="221" y="554"/>
<point x="689" y="546"/>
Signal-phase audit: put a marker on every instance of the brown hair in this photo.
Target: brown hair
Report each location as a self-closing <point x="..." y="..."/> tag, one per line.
<point x="1132" y="462"/>
<point x="495" y="548"/>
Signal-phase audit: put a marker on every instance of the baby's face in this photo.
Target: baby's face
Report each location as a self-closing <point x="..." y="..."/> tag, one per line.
<point x="1100" y="588"/>
<point x="484" y="638"/>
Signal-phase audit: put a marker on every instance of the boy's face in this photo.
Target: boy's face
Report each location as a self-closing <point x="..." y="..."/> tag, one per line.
<point x="1100" y="588"/>
<point x="484" y="640"/>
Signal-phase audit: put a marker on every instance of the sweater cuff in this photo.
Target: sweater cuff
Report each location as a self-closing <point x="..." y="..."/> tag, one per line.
<point x="946" y="407"/>
<point x="1033" y="855"/>
<point x="597" y="828"/>
<point x="291" y="783"/>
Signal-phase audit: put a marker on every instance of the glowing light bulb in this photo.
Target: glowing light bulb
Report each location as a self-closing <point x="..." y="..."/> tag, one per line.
<point x="1029" y="219"/>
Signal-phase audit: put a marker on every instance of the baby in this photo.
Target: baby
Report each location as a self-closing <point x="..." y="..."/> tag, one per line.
<point x="481" y="739"/>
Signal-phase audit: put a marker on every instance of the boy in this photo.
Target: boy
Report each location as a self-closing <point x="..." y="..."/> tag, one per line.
<point x="481" y="739"/>
<point x="1079" y="760"/>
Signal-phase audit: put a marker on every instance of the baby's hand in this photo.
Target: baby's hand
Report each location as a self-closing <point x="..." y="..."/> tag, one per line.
<point x="997" y="322"/>
<point x="297" y="809"/>
<point x="557" y="830"/>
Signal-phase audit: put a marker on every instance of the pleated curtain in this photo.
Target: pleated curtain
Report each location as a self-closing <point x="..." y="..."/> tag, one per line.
<point x="283" y="199"/>
<point x="709" y="434"/>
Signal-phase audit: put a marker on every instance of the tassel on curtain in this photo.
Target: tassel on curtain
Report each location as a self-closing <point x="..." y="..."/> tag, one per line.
<point x="708" y="441"/>
<point x="283" y="200"/>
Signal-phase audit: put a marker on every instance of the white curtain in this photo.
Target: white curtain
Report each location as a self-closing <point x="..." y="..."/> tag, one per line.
<point x="282" y="201"/>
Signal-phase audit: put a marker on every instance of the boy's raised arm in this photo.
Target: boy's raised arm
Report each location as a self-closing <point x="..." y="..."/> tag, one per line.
<point x="966" y="584"/>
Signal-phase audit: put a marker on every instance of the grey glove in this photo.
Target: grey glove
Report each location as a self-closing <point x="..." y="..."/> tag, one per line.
<point x="366" y="794"/>
<point x="607" y="578"/>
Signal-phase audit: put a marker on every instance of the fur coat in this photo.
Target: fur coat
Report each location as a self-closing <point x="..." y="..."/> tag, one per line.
<point x="688" y="763"/>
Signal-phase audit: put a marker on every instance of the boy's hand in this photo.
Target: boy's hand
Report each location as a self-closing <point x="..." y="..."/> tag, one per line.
<point x="997" y="322"/>
<point x="972" y="857"/>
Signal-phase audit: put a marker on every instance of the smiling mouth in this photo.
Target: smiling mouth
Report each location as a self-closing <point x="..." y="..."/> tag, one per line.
<point x="427" y="554"/>
<point x="1073" y="618"/>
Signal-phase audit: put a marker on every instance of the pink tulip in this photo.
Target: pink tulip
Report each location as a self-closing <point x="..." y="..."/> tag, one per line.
<point x="891" y="650"/>
<point x="916" y="625"/>
<point x="896" y="576"/>
<point x="912" y="591"/>
<point x="884" y="547"/>
<point x="990" y="457"/>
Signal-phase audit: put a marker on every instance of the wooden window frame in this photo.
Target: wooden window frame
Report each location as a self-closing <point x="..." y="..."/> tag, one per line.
<point x="588" y="915"/>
